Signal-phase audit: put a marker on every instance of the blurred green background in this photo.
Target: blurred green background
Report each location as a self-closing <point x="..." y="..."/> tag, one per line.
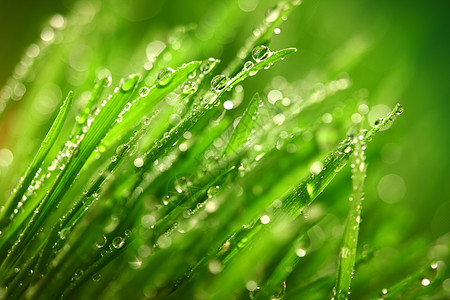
<point x="397" y="50"/>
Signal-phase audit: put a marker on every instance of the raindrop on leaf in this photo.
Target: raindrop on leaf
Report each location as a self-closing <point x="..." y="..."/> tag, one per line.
<point x="189" y="87"/>
<point x="260" y="53"/>
<point x="219" y="82"/>
<point x="144" y="91"/>
<point x="118" y="242"/>
<point x="164" y="76"/>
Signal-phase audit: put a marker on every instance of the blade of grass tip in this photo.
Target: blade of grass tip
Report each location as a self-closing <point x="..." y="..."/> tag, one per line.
<point x="99" y="128"/>
<point x="309" y="189"/>
<point x="384" y="122"/>
<point x="219" y="84"/>
<point x="347" y="255"/>
<point x="245" y="126"/>
<point x="39" y="158"/>
<point x="263" y="34"/>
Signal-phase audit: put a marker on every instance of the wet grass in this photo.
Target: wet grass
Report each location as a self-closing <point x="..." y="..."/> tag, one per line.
<point x="183" y="181"/>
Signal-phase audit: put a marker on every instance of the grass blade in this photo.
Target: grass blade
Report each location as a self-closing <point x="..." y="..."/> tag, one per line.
<point x="244" y="128"/>
<point x="39" y="158"/>
<point x="347" y="255"/>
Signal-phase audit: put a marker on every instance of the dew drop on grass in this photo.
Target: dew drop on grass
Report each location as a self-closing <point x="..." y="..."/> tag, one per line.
<point x="260" y="53"/>
<point x="189" y="87"/>
<point x="63" y="233"/>
<point x="279" y="293"/>
<point x="378" y="121"/>
<point x="108" y="81"/>
<point x="219" y="82"/>
<point x="345" y="252"/>
<point x="96" y="277"/>
<point x="207" y="65"/>
<point x="212" y="191"/>
<point x="144" y="91"/>
<point x="118" y="242"/>
<point x="384" y="291"/>
<point x="101" y="242"/>
<point x="248" y="65"/>
<point x="129" y="84"/>
<point x="272" y="14"/>
<point x="164" y="76"/>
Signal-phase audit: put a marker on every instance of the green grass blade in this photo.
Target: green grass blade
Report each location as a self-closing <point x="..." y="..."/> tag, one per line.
<point x="100" y="126"/>
<point x="39" y="158"/>
<point x="263" y="33"/>
<point x="245" y="126"/>
<point x="145" y="104"/>
<point x="347" y="255"/>
<point x="211" y="100"/>
<point x="96" y="93"/>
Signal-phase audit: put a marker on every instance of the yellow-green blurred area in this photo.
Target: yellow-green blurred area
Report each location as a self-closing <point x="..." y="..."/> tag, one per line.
<point x="392" y="51"/>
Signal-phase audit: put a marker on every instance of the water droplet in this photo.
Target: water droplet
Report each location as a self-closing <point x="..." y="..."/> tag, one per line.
<point x="192" y="75"/>
<point x="398" y="110"/>
<point x="260" y="53"/>
<point x="384" y="291"/>
<point x="279" y="293"/>
<point x="63" y="233"/>
<point x="212" y="191"/>
<point x="248" y="65"/>
<point x="129" y="84"/>
<point x="208" y="65"/>
<point x="379" y="121"/>
<point x="144" y="91"/>
<point x="219" y="82"/>
<point x="118" y="242"/>
<point x="108" y="81"/>
<point x="96" y="277"/>
<point x="189" y="87"/>
<point x="164" y="76"/>
<point x="101" y="242"/>
<point x="272" y="14"/>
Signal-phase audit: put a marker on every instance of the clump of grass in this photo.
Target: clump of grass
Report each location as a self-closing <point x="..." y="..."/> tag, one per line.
<point x="175" y="182"/>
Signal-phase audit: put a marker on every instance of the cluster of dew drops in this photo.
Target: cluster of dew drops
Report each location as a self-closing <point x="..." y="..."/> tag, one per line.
<point x="259" y="53"/>
<point x="218" y="82"/>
